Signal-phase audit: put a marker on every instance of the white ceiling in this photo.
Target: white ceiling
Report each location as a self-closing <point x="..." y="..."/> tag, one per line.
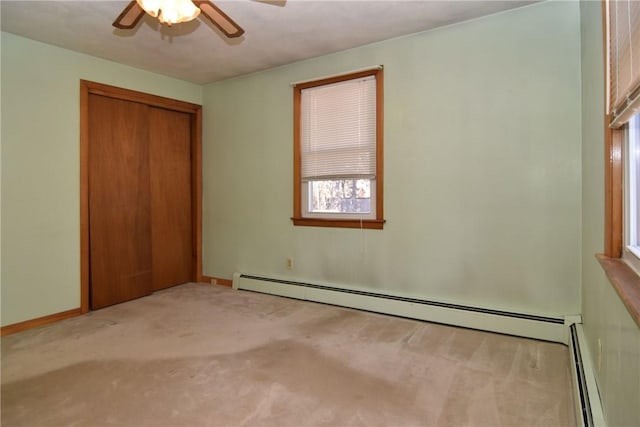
<point x="276" y="33"/>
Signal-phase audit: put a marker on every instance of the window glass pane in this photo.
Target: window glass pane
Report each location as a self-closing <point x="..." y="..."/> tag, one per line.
<point x="340" y="196"/>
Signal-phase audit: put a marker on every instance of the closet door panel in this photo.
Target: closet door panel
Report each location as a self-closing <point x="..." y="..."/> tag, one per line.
<point x="119" y="201"/>
<point x="171" y="214"/>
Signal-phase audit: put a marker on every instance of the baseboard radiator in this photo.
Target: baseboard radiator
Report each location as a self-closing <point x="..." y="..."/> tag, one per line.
<point x="585" y="390"/>
<point x="519" y="324"/>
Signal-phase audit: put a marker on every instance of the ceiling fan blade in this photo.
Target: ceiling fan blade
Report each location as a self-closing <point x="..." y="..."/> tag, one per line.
<point x="130" y="16"/>
<point x="219" y="19"/>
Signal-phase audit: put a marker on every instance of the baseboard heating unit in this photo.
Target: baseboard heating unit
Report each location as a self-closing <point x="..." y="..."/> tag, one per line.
<point x="520" y="324"/>
<point x="585" y="391"/>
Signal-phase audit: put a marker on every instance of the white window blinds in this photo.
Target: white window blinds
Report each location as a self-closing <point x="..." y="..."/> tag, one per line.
<point x="624" y="61"/>
<point x="338" y="130"/>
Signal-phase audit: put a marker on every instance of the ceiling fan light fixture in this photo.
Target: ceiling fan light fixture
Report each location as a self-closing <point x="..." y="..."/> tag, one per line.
<point x="170" y="11"/>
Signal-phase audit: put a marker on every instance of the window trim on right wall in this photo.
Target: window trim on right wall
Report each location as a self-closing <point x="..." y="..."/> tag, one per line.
<point x="622" y="99"/>
<point x="622" y="102"/>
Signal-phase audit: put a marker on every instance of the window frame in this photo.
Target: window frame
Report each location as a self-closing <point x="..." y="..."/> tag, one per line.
<point x="614" y="261"/>
<point x="298" y="219"/>
<point x="614" y="195"/>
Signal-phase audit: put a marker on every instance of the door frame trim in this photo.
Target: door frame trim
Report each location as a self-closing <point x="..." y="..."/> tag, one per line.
<point x="195" y="111"/>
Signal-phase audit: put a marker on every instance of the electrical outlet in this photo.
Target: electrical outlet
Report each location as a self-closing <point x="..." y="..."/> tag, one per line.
<point x="290" y="263"/>
<point x="599" y="354"/>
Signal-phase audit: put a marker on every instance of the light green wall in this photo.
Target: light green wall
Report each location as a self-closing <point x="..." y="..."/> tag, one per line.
<point x="40" y="168"/>
<point x="604" y="315"/>
<point x="482" y="168"/>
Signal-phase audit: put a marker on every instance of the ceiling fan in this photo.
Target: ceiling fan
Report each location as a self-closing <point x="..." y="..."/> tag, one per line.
<point x="176" y="11"/>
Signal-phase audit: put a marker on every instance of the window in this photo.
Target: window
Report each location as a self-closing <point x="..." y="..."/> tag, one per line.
<point x="623" y="107"/>
<point x="338" y="151"/>
<point x="621" y="259"/>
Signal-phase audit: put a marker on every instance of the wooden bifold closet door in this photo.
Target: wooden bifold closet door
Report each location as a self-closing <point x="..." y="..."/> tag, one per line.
<point x="140" y="207"/>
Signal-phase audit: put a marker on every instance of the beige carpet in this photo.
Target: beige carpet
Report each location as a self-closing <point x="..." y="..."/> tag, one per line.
<point x="199" y="355"/>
